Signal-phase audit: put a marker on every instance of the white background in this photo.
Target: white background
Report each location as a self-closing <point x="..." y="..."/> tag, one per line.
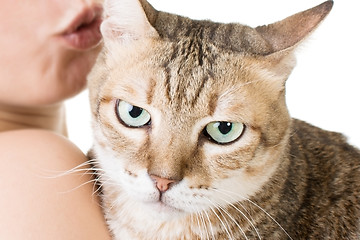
<point x="322" y="90"/>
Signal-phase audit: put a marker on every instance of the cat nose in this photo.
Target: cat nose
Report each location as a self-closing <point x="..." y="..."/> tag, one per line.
<point x="163" y="184"/>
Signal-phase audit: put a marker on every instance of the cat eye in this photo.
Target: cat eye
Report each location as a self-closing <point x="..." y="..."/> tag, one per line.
<point x="130" y="115"/>
<point x="224" y="132"/>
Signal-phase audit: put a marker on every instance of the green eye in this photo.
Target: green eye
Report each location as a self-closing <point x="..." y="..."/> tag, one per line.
<point x="130" y="115"/>
<point x="224" y="132"/>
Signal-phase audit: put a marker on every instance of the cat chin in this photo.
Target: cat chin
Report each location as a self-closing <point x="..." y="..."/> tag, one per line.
<point x="164" y="212"/>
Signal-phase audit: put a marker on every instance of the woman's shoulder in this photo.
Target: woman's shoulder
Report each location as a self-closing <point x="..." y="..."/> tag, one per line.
<point x="48" y="189"/>
<point x="39" y="150"/>
<point x="36" y="142"/>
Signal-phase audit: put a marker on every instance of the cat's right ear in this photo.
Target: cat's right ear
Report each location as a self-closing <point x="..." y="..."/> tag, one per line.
<point x="126" y="21"/>
<point x="288" y="33"/>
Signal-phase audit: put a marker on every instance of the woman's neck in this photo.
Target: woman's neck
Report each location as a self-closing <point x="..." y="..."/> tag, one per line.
<point x="48" y="117"/>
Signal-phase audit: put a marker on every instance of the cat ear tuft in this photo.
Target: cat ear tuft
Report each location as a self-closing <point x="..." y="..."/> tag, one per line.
<point x="126" y="20"/>
<point x="289" y="32"/>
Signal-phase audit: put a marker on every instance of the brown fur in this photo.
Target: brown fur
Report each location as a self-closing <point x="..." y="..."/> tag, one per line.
<point x="281" y="179"/>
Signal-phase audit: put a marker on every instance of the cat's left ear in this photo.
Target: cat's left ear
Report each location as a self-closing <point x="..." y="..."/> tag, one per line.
<point x="288" y="33"/>
<point x="126" y="20"/>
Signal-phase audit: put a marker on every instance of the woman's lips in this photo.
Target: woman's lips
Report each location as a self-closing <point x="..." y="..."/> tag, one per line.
<point x="84" y="31"/>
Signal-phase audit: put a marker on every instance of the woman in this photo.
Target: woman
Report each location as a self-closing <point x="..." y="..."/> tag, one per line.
<point x="47" y="49"/>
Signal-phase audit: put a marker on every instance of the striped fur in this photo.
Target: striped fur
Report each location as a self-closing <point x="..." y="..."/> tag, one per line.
<point x="281" y="179"/>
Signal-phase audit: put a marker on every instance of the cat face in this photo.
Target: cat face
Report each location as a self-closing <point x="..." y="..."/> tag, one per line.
<point x="204" y="127"/>
<point x="183" y="122"/>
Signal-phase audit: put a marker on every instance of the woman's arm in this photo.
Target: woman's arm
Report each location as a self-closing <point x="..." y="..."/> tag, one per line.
<point x="34" y="204"/>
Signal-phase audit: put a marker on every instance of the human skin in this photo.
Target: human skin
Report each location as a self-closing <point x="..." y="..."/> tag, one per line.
<point x="44" y="60"/>
<point x="36" y="201"/>
<point x="41" y="69"/>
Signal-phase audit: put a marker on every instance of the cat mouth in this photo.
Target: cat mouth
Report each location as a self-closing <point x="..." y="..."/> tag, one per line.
<point x="162" y="208"/>
<point x="83" y="32"/>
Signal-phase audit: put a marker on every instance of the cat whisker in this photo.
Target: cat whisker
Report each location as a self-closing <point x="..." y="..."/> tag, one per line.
<point x="195" y="217"/>
<point x="79" y="186"/>
<point x="81" y="168"/>
<point x="260" y="208"/>
<point x="203" y="233"/>
<point x="251" y="221"/>
<point x="236" y="223"/>
<point x="98" y="184"/>
<point x="212" y="232"/>
<point x="211" y="229"/>
<point x="273" y="219"/>
<point x="205" y="225"/>
<point x="78" y="169"/>
<point x="125" y="203"/>
<point x="219" y="218"/>
<point x="222" y="210"/>
<point x="119" y="200"/>
<point x="101" y="182"/>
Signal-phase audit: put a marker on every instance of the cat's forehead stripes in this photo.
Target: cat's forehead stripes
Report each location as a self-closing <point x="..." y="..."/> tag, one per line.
<point x="234" y="37"/>
<point x="151" y="90"/>
<point x="197" y="74"/>
<point x="187" y="69"/>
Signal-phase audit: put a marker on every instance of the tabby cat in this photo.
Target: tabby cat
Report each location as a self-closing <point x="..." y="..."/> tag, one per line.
<point x="193" y="139"/>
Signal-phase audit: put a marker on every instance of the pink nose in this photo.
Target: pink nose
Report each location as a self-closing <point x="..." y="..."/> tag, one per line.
<point x="162" y="184"/>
